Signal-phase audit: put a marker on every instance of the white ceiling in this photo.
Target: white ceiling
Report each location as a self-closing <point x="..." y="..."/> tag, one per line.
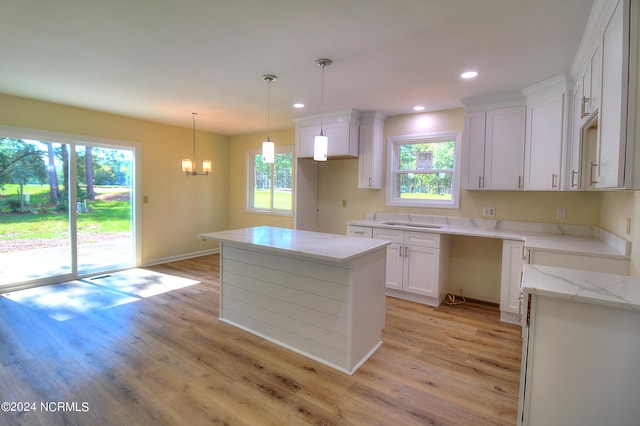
<point x="160" y="60"/>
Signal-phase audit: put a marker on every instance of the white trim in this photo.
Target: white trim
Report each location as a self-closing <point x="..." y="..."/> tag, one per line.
<point x="249" y="179"/>
<point x="392" y="142"/>
<point x="169" y="259"/>
<point x="76" y="139"/>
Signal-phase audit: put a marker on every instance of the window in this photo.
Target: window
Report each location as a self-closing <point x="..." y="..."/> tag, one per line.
<point x="269" y="186"/>
<point x="424" y="170"/>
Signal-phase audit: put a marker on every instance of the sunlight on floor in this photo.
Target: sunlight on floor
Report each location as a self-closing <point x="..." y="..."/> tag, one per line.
<point x="67" y="300"/>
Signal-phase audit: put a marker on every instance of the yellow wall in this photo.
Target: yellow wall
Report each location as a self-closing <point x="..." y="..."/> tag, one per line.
<point x="617" y="208"/>
<point x="179" y="207"/>
<point x="475" y="262"/>
<point x="182" y="207"/>
<point x="238" y="216"/>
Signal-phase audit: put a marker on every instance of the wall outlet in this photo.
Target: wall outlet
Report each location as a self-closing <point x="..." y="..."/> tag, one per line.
<point x="489" y="211"/>
<point x="561" y="214"/>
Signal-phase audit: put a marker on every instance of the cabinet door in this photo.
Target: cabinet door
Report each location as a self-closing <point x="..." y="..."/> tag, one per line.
<point x="394" y="266"/>
<point x="305" y="137"/>
<point x="612" y="120"/>
<point x="512" y="266"/>
<point x="595" y="71"/>
<point x="473" y="150"/>
<point x="395" y="255"/>
<point x="370" y="153"/>
<point x="544" y="143"/>
<point x="574" y="172"/>
<point x="504" y="149"/>
<point x="421" y="270"/>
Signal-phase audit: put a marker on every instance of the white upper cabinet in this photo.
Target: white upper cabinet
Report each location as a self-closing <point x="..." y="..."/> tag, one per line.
<point x="342" y="129"/>
<point x="493" y="147"/>
<point x="612" y="119"/>
<point x="605" y="70"/>
<point x="370" y="150"/>
<point x="588" y="84"/>
<point x="545" y="134"/>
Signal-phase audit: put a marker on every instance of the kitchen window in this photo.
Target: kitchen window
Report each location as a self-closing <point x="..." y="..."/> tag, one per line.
<point x="423" y="170"/>
<point x="270" y="186"/>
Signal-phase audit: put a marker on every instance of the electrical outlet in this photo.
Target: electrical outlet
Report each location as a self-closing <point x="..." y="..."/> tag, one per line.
<point x="561" y="214"/>
<point x="489" y="211"/>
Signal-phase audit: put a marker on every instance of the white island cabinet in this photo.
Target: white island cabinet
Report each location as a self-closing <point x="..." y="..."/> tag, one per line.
<point x="320" y="295"/>
<point x="581" y="346"/>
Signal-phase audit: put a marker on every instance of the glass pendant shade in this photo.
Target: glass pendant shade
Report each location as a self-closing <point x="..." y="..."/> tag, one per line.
<point x="206" y="166"/>
<point x="268" y="151"/>
<point x="187" y="165"/>
<point x="320" y="146"/>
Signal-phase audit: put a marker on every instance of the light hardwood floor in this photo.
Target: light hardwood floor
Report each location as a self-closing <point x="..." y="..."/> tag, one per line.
<point x="167" y="359"/>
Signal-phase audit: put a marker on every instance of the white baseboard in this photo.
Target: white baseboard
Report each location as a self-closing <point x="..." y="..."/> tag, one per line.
<point x="179" y="257"/>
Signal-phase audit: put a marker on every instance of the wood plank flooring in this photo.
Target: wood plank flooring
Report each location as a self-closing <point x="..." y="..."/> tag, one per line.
<point x="168" y="360"/>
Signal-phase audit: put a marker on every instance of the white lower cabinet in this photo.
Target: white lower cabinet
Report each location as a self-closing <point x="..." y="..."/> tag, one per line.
<point x="513" y="261"/>
<point x="579" y="364"/>
<point x="417" y="264"/>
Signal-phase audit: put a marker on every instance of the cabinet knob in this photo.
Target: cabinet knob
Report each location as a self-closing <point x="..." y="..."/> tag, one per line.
<point x="554" y="181"/>
<point x="574" y="173"/>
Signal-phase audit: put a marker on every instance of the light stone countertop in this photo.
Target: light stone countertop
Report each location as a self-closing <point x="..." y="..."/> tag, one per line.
<point x="616" y="291"/>
<point x="317" y="245"/>
<point x="572" y="239"/>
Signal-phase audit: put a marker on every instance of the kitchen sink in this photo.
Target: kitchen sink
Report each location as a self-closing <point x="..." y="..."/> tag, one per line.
<point x="414" y="225"/>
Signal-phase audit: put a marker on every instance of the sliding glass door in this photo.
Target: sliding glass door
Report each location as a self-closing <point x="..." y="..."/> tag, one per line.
<point x="51" y="230"/>
<point x="104" y="213"/>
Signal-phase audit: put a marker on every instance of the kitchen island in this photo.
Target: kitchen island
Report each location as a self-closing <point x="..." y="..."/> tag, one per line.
<point x="320" y="295"/>
<point x="581" y="345"/>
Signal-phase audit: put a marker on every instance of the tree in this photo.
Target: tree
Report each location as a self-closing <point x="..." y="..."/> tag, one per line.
<point x="53" y="176"/>
<point x="21" y="163"/>
<point x="89" y="170"/>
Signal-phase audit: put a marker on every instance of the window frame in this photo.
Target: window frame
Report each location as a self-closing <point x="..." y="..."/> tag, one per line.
<point x="250" y="181"/>
<point x="393" y="197"/>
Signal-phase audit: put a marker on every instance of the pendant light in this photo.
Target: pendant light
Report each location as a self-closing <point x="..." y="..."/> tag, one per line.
<point x="321" y="142"/>
<point x="268" y="147"/>
<point x="188" y="165"/>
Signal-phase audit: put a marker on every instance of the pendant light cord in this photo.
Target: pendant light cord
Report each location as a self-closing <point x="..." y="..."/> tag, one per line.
<point x="269" y="109"/>
<point x="322" y="101"/>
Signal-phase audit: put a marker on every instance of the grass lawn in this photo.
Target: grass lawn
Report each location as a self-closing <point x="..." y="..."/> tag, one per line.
<point x="41" y="222"/>
<point x="283" y="200"/>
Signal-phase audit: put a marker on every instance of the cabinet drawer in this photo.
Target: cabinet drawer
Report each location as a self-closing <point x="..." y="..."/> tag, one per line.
<point x="359" y="231"/>
<point x="392" y="235"/>
<point x="422" y="239"/>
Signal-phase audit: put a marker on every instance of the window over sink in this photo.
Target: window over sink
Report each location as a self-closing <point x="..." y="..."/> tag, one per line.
<point x="423" y="170"/>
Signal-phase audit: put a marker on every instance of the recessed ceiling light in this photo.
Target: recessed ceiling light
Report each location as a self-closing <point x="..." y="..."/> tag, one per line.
<point x="298" y="105"/>
<point x="418" y="108"/>
<point x="469" y="74"/>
